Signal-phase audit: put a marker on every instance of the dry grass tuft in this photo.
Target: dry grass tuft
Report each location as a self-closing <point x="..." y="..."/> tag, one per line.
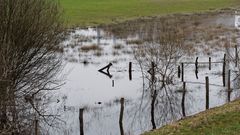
<point x="93" y="47"/>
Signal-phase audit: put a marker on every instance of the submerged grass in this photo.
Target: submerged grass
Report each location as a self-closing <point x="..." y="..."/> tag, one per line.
<point x="93" y="47"/>
<point x="224" y="120"/>
<point x="95" y="12"/>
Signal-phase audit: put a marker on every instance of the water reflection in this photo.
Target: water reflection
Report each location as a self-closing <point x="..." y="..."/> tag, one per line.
<point x="153" y="92"/>
<point x="160" y="54"/>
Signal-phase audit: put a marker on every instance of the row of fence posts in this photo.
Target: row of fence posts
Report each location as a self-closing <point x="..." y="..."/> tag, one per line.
<point x="129" y="71"/>
<point x="181" y="72"/>
<point x="180" y="75"/>
<point x="181" y="69"/>
<point x="81" y="123"/>
<point x="229" y="90"/>
<point x="207" y="92"/>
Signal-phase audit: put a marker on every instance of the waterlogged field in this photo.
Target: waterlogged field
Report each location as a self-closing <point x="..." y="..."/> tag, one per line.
<point x="153" y="92"/>
<point x="95" y="12"/>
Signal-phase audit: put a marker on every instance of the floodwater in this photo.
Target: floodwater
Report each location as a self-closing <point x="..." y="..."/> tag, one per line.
<point x="151" y="101"/>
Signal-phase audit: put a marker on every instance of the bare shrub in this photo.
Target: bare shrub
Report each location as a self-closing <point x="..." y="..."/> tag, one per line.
<point x="30" y="31"/>
<point x="165" y="47"/>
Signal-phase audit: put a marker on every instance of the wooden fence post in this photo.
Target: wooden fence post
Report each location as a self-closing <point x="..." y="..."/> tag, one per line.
<point x="229" y="80"/>
<point x="183" y="99"/>
<point x="182" y="72"/>
<point x="113" y="83"/>
<point x="210" y="63"/>
<point x="121" y="116"/>
<point x="207" y="92"/>
<point x="196" y="67"/>
<point x="179" y="71"/>
<point x="130" y="71"/>
<point x="236" y="56"/>
<point x="36" y="127"/>
<point x="223" y="70"/>
<point x="229" y="85"/>
<point x="196" y="64"/>
<point x="81" y="121"/>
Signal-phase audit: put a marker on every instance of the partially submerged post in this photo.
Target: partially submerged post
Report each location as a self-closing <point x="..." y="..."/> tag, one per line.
<point x="196" y="67"/>
<point x="121" y="116"/>
<point x="196" y="73"/>
<point x="196" y="64"/>
<point x="229" y="80"/>
<point x="229" y="86"/>
<point x="223" y="70"/>
<point x="81" y="121"/>
<point x="112" y="83"/>
<point x="183" y="99"/>
<point x="210" y="63"/>
<point x="182" y="72"/>
<point x="130" y="71"/>
<point x="36" y="127"/>
<point x="179" y="71"/>
<point x="236" y="56"/>
<point x="207" y="92"/>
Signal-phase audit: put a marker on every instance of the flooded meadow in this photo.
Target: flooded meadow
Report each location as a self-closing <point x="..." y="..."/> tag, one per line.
<point x="135" y="76"/>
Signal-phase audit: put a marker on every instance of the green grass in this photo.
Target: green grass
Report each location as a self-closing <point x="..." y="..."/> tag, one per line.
<point x="223" y="120"/>
<point x="94" y="12"/>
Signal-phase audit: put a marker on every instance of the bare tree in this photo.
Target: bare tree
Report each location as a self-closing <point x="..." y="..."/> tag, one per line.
<point x="158" y="55"/>
<point x="164" y="46"/>
<point x="30" y="32"/>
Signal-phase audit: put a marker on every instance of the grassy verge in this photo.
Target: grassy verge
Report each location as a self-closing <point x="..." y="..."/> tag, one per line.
<point x="224" y="120"/>
<point x="94" y="12"/>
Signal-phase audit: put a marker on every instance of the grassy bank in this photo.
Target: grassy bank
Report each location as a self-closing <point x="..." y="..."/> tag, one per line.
<point x="93" y="12"/>
<point x="224" y="120"/>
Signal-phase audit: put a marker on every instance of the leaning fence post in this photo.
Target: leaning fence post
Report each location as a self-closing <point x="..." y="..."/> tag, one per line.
<point x="182" y="72"/>
<point x="207" y="92"/>
<point x="81" y="121"/>
<point x="121" y="116"/>
<point x="210" y="63"/>
<point x="130" y="71"/>
<point x="223" y="70"/>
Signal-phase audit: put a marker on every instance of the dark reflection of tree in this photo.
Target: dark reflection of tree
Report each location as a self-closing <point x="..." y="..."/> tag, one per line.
<point x="158" y="57"/>
<point x="30" y="32"/>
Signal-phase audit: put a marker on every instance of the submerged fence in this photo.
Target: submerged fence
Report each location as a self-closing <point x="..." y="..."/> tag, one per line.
<point x="226" y="82"/>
